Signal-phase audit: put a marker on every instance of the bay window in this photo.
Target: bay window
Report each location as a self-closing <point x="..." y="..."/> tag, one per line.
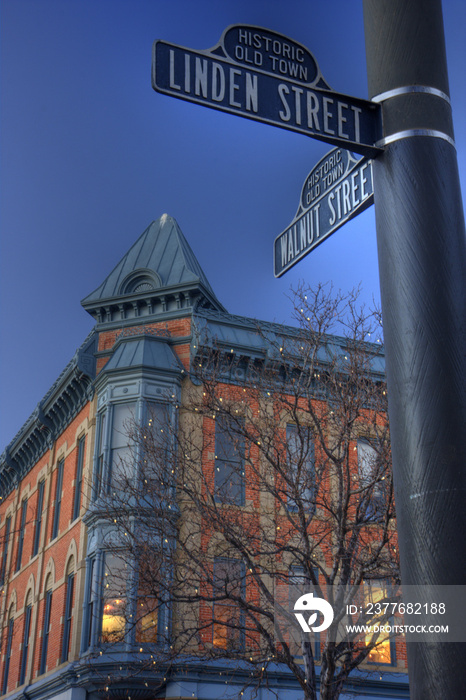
<point x="121" y="603"/>
<point x="122" y="444"/>
<point x="115" y="582"/>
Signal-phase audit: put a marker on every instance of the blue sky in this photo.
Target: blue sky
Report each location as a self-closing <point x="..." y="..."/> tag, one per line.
<point x="91" y="155"/>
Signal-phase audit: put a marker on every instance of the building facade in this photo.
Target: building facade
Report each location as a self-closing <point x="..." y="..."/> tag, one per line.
<point x="156" y="316"/>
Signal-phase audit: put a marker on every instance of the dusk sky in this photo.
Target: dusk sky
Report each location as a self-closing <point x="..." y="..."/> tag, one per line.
<point x="90" y="155"/>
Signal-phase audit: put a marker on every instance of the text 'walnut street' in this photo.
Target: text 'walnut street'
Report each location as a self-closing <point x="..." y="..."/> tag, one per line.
<point x="328" y="213"/>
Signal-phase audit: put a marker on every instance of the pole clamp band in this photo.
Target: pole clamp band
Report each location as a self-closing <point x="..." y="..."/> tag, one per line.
<point x="411" y="89"/>
<point x="437" y="116"/>
<point x="414" y="132"/>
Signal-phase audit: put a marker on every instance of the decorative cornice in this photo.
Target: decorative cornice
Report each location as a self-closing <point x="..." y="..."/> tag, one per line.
<point x="243" y="341"/>
<point x="63" y="401"/>
<point x="149" y="305"/>
<point x="91" y="674"/>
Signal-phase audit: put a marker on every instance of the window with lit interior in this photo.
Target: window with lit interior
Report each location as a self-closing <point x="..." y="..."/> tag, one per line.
<point x="228" y="618"/>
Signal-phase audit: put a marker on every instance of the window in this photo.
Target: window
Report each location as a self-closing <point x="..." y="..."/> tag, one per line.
<point x="299" y="584"/>
<point x="99" y="463"/>
<point x="147" y="607"/>
<point x="68" y="616"/>
<point x="155" y="458"/>
<point x="90" y="603"/>
<point x="58" y="491"/>
<point x="122" y="445"/>
<point x="384" y="651"/>
<point x="114" y="599"/>
<point x="45" y="631"/>
<point x="301" y="465"/>
<point x="25" y="649"/>
<point x="229" y="463"/>
<point x="9" y="643"/>
<point x="6" y="541"/>
<point x="147" y="620"/>
<point x="368" y="467"/>
<point x="228" y="618"/>
<point x="40" y="505"/>
<point x="22" y="526"/>
<point x="79" y="478"/>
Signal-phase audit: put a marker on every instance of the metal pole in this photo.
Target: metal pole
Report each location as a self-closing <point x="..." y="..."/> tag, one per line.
<point x="422" y="262"/>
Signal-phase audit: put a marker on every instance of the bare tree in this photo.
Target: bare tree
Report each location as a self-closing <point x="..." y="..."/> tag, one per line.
<point x="271" y="477"/>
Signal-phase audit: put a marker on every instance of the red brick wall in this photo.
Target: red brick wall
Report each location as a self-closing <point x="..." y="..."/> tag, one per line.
<point x="177" y="328"/>
<point x="53" y="555"/>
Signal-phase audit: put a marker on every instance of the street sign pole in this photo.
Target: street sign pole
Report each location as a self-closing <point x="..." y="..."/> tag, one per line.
<point x="422" y="263"/>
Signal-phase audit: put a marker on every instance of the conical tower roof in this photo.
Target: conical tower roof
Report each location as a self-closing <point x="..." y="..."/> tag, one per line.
<point x="158" y="274"/>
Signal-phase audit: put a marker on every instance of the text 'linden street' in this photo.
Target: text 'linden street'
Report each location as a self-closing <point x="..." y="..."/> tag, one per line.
<point x="240" y="90"/>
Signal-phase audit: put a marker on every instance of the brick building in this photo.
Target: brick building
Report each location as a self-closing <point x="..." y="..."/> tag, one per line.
<point x="154" y="314"/>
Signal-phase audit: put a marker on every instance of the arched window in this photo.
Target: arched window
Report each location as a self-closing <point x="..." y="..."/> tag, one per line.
<point x="39" y="509"/>
<point x="26" y="633"/>
<point x="22" y="528"/>
<point x="79" y="477"/>
<point x="58" y="494"/>
<point x="6" y="542"/>
<point x="47" y="609"/>
<point x="9" y="644"/>
<point x="67" y="619"/>
<point x="90" y="601"/>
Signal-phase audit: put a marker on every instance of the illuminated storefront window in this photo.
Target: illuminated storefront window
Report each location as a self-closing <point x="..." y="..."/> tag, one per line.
<point x="114" y="599"/>
<point x="228" y="627"/>
<point x="147" y="613"/>
<point x="299" y="584"/>
<point x="147" y="620"/>
<point x="384" y="651"/>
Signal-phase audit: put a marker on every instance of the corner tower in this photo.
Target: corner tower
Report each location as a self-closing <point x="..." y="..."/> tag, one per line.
<point x="158" y="277"/>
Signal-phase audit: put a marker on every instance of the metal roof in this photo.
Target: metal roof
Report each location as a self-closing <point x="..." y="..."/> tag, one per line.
<point x="144" y="351"/>
<point x="160" y="258"/>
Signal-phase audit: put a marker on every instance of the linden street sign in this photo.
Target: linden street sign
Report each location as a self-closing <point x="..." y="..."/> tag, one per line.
<point x="264" y="76"/>
<point x="336" y="189"/>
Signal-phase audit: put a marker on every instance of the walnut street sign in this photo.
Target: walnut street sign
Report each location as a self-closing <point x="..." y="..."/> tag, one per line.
<point x="336" y="189"/>
<point x="264" y="76"/>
